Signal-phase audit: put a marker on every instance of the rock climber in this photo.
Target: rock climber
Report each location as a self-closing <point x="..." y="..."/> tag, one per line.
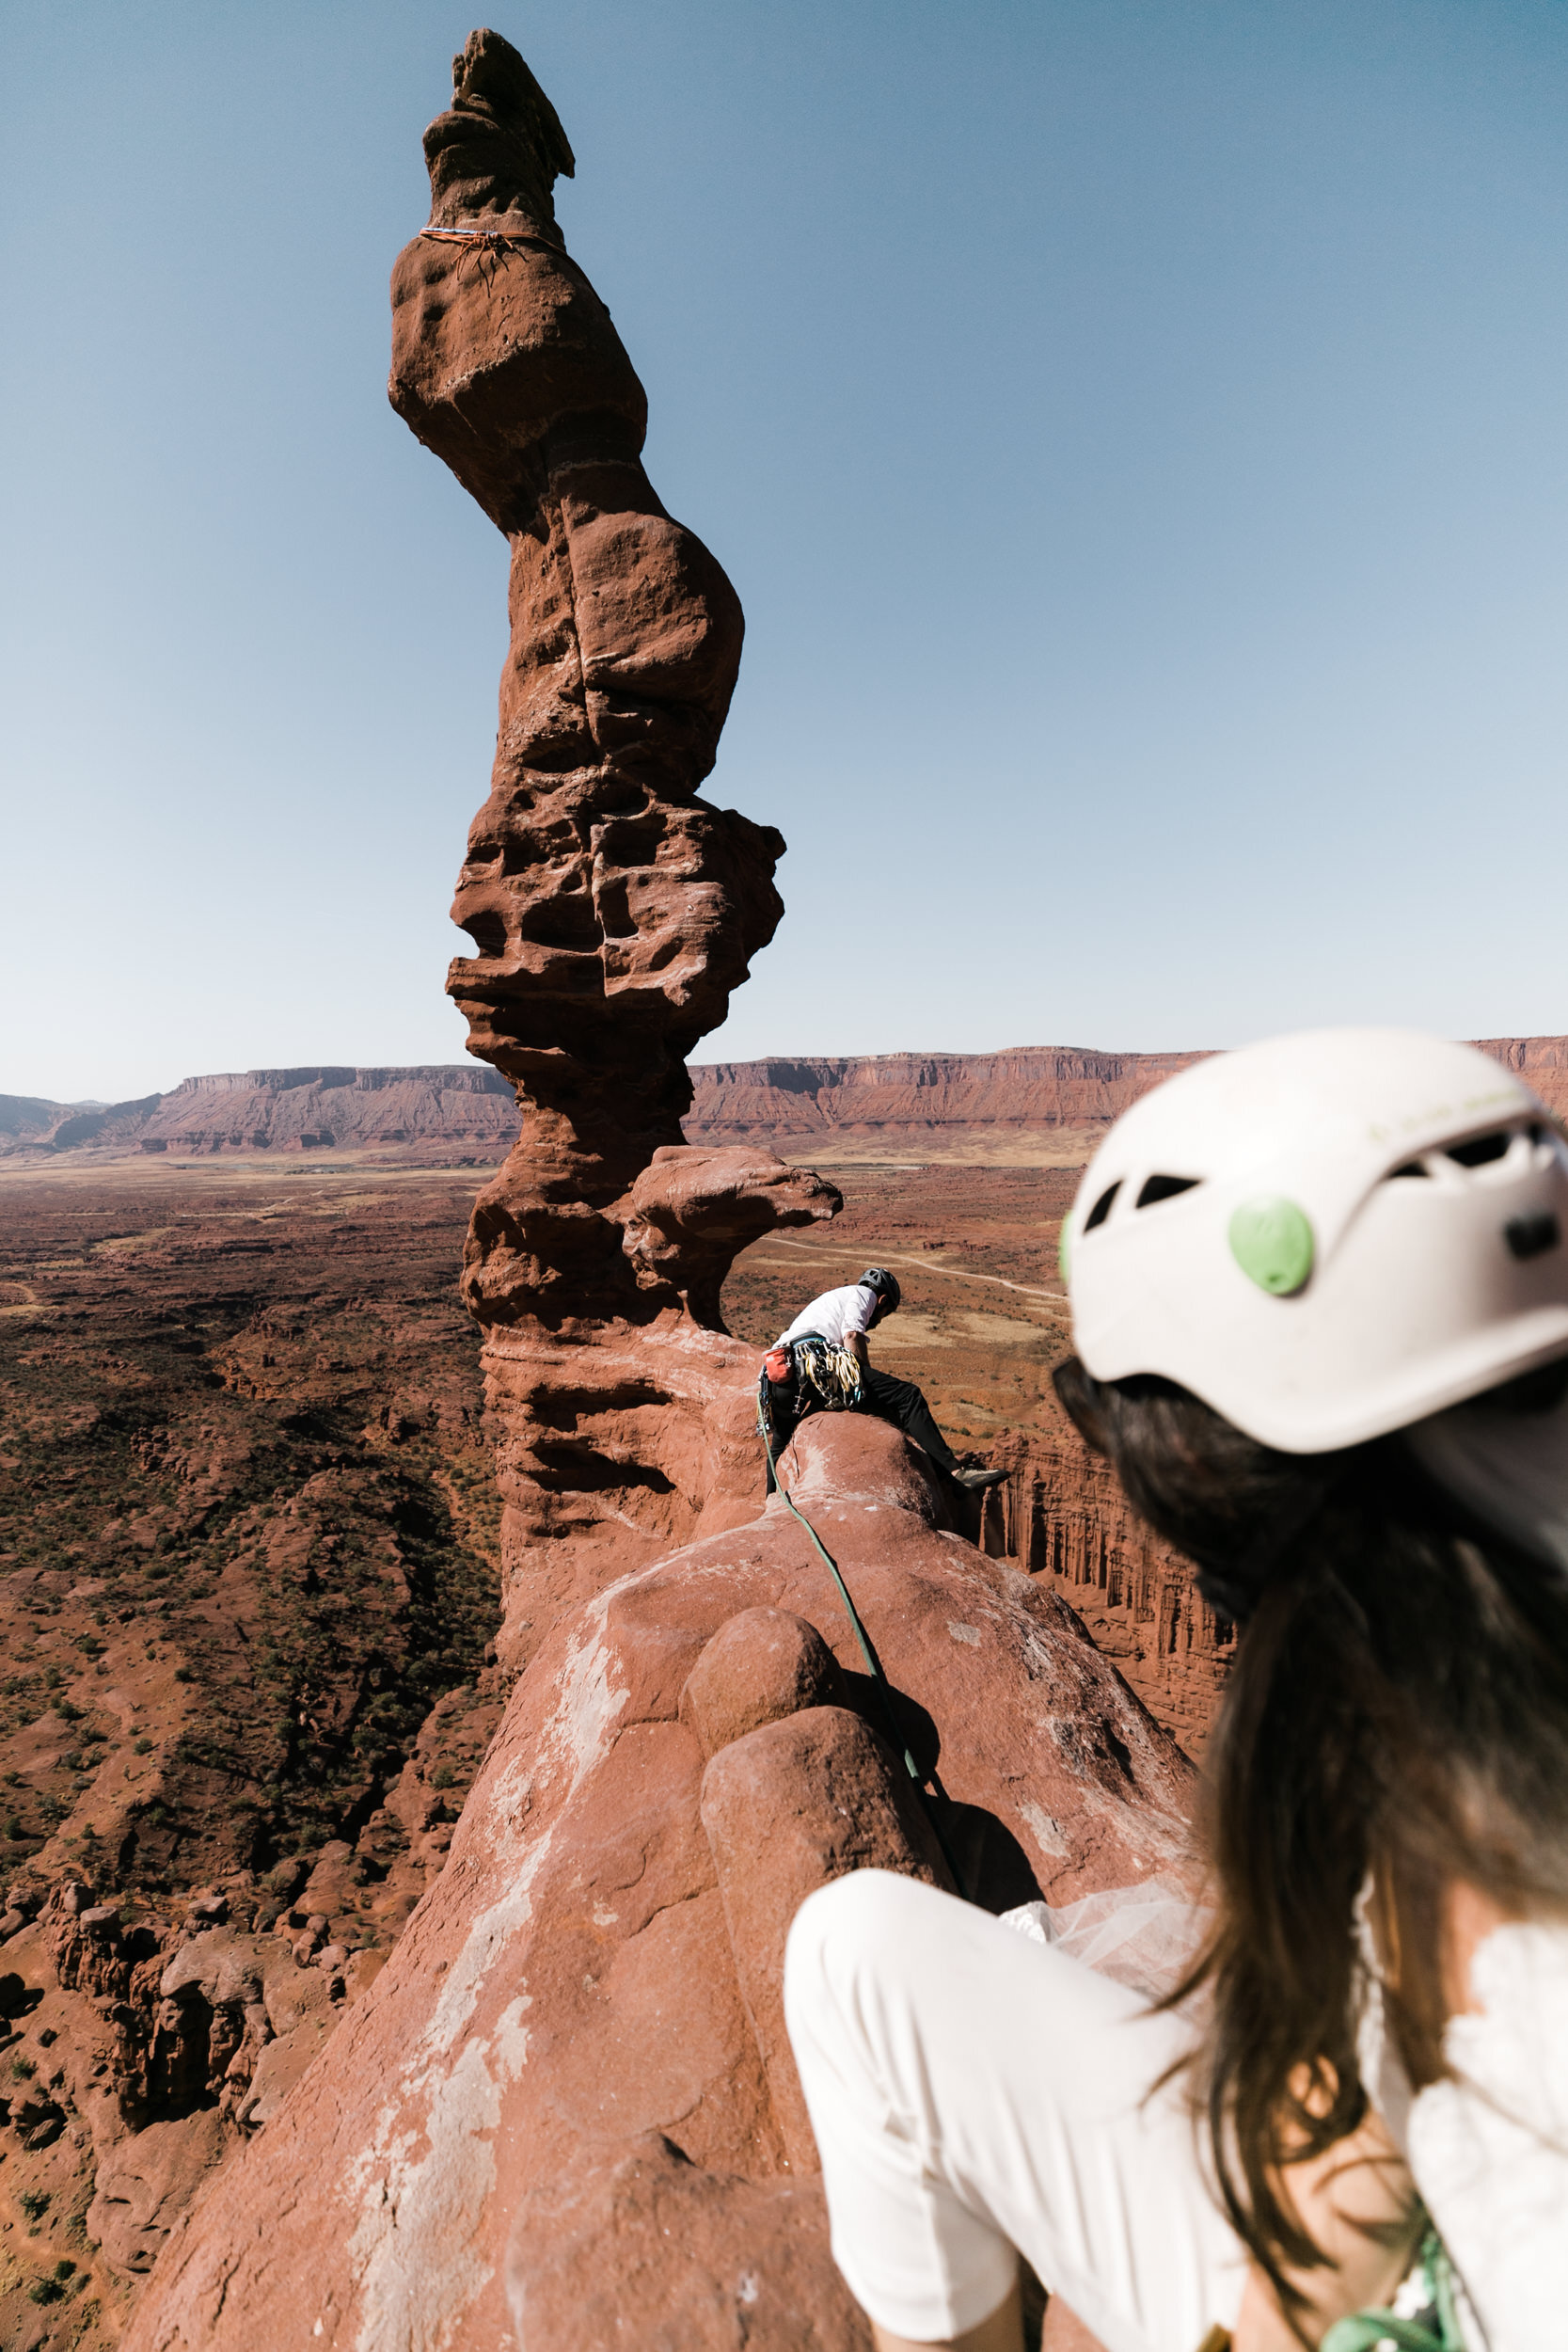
<point x="1320" y="1299"/>
<point x="822" y="1363"/>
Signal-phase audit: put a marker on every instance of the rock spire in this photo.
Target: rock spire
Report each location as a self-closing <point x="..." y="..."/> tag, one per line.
<point x="611" y="909"/>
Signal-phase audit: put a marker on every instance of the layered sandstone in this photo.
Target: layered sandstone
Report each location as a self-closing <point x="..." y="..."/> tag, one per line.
<point x="437" y="1110"/>
<point x="1062" y="1516"/>
<point x="954" y="1106"/>
<point x="611" y="909"/>
<point x="950" y="1104"/>
<point x="935" y="1102"/>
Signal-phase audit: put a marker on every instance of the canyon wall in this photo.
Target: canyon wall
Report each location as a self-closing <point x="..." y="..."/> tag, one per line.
<point x="439" y="1110"/>
<point x="942" y="1102"/>
<point x="945" y="1102"/>
<point x="1063" y="1518"/>
<point x="948" y="1103"/>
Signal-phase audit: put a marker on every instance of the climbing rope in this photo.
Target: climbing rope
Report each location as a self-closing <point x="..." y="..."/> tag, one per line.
<point x="879" y="1679"/>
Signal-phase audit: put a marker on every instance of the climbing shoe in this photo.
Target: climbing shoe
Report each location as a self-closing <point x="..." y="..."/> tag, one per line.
<point x="973" y="1478"/>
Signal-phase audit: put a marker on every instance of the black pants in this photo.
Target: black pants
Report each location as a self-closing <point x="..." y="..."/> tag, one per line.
<point x="889" y="1399"/>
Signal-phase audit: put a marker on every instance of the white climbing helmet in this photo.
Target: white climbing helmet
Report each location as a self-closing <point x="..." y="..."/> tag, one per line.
<point x="1325" y="1236"/>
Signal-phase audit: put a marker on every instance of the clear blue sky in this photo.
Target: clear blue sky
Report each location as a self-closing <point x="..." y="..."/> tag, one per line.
<point x="1134" y="428"/>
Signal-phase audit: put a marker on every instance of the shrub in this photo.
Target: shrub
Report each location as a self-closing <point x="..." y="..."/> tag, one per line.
<point x="142" y="1746"/>
<point x="33" y="2202"/>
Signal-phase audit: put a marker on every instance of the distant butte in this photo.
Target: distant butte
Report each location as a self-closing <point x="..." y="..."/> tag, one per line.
<point x="1031" y="1104"/>
<point x="1028" y="1104"/>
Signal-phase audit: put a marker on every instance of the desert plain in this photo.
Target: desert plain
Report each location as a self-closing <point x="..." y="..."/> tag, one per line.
<point x="248" y="1595"/>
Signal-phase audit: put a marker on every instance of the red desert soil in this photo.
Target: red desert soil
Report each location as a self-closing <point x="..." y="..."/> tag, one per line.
<point x="247" y="1582"/>
<point x="248" y="1577"/>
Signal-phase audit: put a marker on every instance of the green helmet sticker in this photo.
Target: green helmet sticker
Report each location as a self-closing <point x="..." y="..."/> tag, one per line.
<point x="1064" y="1249"/>
<point x="1272" y="1242"/>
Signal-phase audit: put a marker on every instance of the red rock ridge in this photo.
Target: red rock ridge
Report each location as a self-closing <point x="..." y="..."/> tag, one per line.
<point x="801" y="1103"/>
<point x="563" y="2114"/>
<point x="435" y="1108"/>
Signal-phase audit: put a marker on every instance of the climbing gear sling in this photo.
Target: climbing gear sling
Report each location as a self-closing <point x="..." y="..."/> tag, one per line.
<point x="1433" y="2328"/>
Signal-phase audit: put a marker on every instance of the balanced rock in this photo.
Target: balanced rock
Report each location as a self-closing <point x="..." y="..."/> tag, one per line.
<point x="761" y="1664"/>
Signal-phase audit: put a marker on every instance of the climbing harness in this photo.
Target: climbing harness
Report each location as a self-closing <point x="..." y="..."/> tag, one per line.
<point x="879" y="1679"/>
<point x="832" y="1373"/>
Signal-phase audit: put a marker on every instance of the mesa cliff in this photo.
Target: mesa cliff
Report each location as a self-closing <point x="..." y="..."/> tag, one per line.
<point x="1033" y="1103"/>
<point x="961" y="1106"/>
<point x="565" y="2113"/>
<point x="440" y="1113"/>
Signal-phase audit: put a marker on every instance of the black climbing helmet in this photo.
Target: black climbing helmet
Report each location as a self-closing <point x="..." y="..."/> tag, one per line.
<point x="885" y="1285"/>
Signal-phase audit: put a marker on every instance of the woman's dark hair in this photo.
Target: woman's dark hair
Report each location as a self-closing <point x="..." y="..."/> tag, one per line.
<point x="1398" y="1707"/>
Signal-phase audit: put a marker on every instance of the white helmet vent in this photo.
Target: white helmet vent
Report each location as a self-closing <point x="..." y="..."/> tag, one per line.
<point x="1157" y="1188"/>
<point x="1101" y="1208"/>
<point x="1481" y="1149"/>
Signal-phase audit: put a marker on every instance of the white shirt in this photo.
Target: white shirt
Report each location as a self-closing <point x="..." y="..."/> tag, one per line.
<point x="834" y="1315"/>
<point x="1488" y="2146"/>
